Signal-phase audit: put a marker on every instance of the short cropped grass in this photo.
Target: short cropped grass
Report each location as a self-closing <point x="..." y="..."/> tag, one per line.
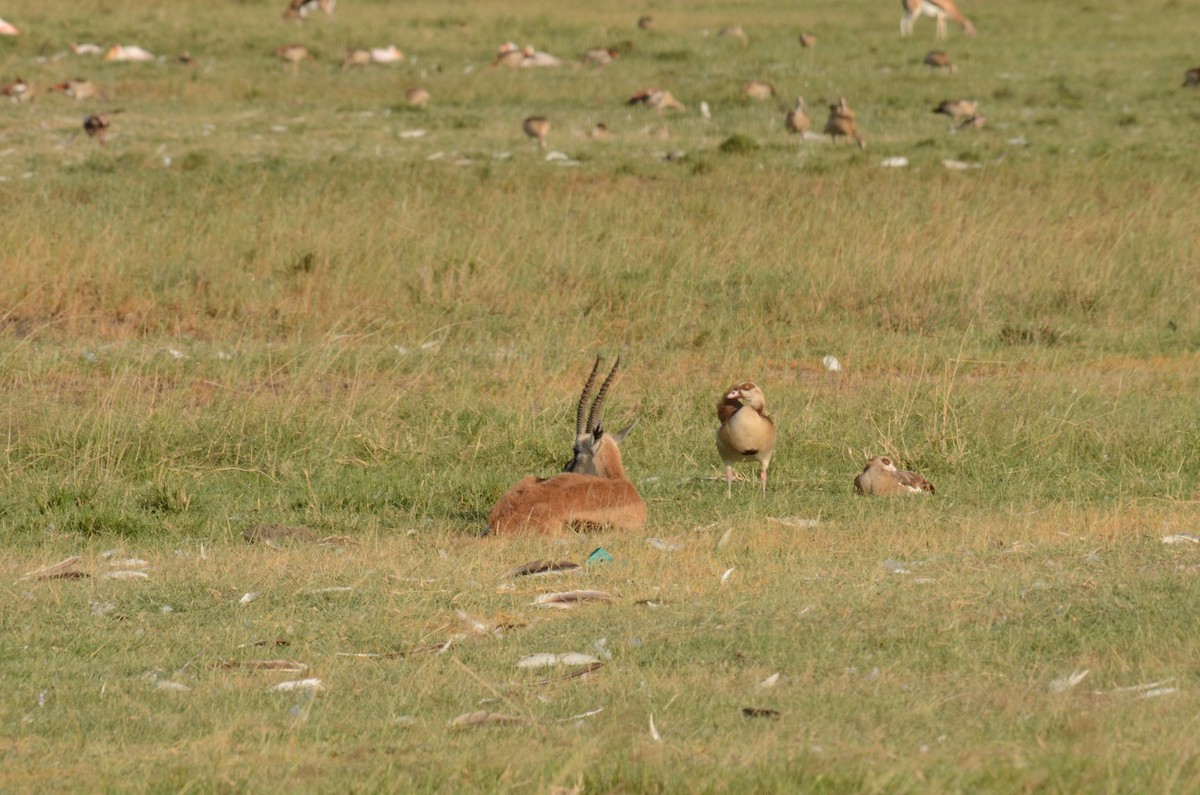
<point x="284" y="297"/>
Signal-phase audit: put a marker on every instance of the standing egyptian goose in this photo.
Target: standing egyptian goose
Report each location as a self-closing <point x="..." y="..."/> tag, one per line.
<point x="300" y="9"/>
<point x="746" y="432"/>
<point x="808" y="40"/>
<point x="939" y="9"/>
<point x="881" y="478"/>
<point x="537" y="127"/>
<point x="1191" y="77"/>
<point x="842" y="124"/>
<point x="96" y="126"/>
<point x="796" y="122"/>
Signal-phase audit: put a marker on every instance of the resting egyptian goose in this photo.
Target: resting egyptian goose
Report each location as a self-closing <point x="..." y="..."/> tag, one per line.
<point x="937" y="59"/>
<point x="962" y="111"/>
<point x="78" y="89"/>
<point x="746" y="432"/>
<point x="758" y="89"/>
<point x="18" y="91"/>
<point x="881" y="478"/>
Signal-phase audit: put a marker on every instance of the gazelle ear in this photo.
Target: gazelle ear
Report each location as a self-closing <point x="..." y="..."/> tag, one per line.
<point x="620" y="435"/>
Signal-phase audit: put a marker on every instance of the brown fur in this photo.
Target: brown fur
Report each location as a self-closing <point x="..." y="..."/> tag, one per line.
<point x="594" y="491"/>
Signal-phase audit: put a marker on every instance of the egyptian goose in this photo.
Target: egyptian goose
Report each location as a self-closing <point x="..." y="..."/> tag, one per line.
<point x="78" y="89"/>
<point x="881" y="478"/>
<point x="646" y="23"/>
<point x="417" y="97"/>
<point x="936" y="59"/>
<point x="535" y="58"/>
<point x="122" y="54"/>
<point x="842" y="124"/>
<point x="657" y="99"/>
<point x="96" y="126"/>
<point x="961" y="111"/>
<point x="808" y="40"/>
<point x="357" y="56"/>
<point x="746" y="432"/>
<point x="600" y="56"/>
<point x="734" y="32"/>
<point x="19" y="91"/>
<point x="757" y="89"/>
<point x="796" y="122"/>
<point x="1191" y="77"/>
<point x="537" y="127"/>
<point x="939" y="9"/>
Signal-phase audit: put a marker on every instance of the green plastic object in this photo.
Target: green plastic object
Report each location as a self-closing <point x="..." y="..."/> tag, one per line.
<point x="599" y="555"/>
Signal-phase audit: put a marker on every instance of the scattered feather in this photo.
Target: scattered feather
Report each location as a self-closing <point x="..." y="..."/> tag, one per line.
<point x="413" y="134"/>
<point x="705" y="111"/>
<point x="760" y="712"/>
<point x="334" y="589"/>
<point x="662" y="546"/>
<point x="129" y="562"/>
<point x="484" y="718"/>
<point x="548" y="660"/>
<point x="102" y="608"/>
<point x="770" y="681"/>
<point x="536" y="568"/>
<point x="65" y="569"/>
<point x="267" y="533"/>
<point x="166" y="684"/>
<point x="654" y="735"/>
<point x="578" y="671"/>
<point x="894" y="162"/>
<point x="959" y="165"/>
<point x="728" y="573"/>
<point x="1145" y="686"/>
<point x="728" y="534"/>
<point x="1159" y="691"/>
<point x="128" y="574"/>
<point x="895" y="567"/>
<point x="1181" y="538"/>
<point x="247" y="598"/>
<point x="287" y="666"/>
<point x="565" y="600"/>
<point x="314" y="685"/>
<point x="794" y="521"/>
<point x="1064" y="683"/>
<point x="588" y="714"/>
<point x="832" y="365"/>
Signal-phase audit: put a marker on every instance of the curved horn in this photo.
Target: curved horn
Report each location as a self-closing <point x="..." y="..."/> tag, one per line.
<point x="603" y="393"/>
<point x="587" y="392"/>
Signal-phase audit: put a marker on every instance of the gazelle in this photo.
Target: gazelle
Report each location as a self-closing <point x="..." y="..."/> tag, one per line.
<point x="880" y="477"/>
<point x="592" y="491"/>
<point x="940" y="9"/>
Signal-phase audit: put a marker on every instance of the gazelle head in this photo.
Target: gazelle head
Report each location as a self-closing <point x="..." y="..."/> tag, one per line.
<point x="595" y="452"/>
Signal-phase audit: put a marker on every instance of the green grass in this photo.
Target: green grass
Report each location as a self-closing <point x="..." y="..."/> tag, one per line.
<point x="260" y="303"/>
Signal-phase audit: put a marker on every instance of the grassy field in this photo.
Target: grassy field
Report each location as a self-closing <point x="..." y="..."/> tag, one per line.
<point x="285" y="297"/>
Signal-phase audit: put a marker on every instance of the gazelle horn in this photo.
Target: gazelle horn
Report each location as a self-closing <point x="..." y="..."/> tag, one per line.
<point x="594" y="415"/>
<point x="587" y="392"/>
